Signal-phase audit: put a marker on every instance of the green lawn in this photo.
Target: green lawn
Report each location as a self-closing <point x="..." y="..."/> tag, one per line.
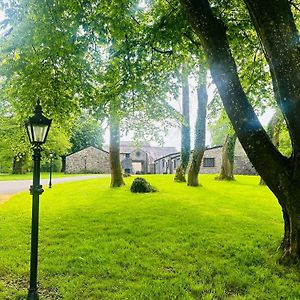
<point x="45" y="175"/>
<point x="213" y="242"/>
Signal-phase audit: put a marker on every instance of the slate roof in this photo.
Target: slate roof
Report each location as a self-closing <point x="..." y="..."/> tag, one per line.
<point x="157" y="152"/>
<point x="177" y="154"/>
<point x="153" y="152"/>
<point x="87" y="147"/>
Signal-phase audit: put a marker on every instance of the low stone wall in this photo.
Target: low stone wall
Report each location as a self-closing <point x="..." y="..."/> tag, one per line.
<point x="88" y="160"/>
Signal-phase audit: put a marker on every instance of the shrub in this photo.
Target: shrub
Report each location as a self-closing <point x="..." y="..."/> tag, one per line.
<point x="140" y="185"/>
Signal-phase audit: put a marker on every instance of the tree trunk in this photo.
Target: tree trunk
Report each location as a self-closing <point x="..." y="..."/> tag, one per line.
<point x="228" y="158"/>
<point x="291" y="240"/>
<point x="63" y="164"/>
<point x="180" y="174"/>
<point x="275" y="26"/>
<point x="18" y="164"/>
<point x="185" y="132"/>
<point x="200" y="128"/>
<point x="114" y="153"/>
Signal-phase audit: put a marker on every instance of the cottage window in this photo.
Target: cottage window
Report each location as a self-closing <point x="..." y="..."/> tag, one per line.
<point x="209" y="162"/>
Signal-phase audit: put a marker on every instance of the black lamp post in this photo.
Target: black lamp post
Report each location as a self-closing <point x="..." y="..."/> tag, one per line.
<point x="37" y="128"/>
<point x="51" y="162"/>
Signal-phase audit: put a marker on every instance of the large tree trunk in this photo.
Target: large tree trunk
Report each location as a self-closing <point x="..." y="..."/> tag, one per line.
<point x="276" y="28"/>
<point x="200" y="128"/>
<point x="185" y="131"/>
<point x="226" y="172"/>
<point x="275" y="25"/>
<point x="114" y="153"/>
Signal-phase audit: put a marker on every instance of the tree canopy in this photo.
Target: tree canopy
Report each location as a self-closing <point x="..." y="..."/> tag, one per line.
<point x="121" y="60"/>
<point x="86" y="132"/>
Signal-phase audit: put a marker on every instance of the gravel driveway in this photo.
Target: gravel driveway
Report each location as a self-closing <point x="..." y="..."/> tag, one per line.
<point x="8" y="188"/>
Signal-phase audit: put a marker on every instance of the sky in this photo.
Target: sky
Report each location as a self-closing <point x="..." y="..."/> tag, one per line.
<point x="1" y="19"/>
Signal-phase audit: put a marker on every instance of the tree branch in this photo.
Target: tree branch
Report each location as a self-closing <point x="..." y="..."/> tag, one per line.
<point x="168" y="52"/>
<point x="294" y="5"/>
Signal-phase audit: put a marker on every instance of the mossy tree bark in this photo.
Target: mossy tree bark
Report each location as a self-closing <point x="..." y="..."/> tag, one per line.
<point x="114" y="152"/>
<point x="200" y="128"/>
<point x="226" y="172"/>
<point x="185" y="131"/>
<point x="276" y="28"/>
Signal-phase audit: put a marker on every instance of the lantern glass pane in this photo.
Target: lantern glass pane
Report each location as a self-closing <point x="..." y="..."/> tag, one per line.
<point x="39" y="132"/>
<point x="29" y="132"/>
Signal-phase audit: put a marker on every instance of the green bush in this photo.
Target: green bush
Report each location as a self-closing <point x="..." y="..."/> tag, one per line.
<point x="140" y="185"/>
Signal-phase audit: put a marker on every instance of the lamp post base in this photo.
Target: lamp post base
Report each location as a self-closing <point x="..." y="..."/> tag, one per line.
<point x="32" y="295"/>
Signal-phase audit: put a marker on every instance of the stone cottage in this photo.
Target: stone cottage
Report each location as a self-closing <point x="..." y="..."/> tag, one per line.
<point x="139" y="159"/>
<point x="134" y="159"/>
<point x="145" y="159"/>
<point x="88" y="160"/>
<point x="211" y="162"/>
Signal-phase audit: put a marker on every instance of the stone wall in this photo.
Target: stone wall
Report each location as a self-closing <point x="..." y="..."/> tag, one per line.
<point x="88" y="160"/>
<point x="215" y="153"/>
<point x="242" y="164"/>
